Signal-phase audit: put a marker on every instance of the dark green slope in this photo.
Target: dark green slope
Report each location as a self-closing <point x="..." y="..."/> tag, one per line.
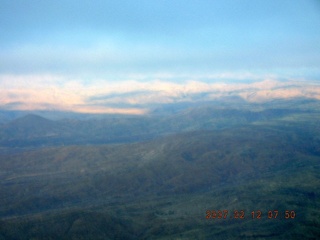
<point x="161" y="189"/>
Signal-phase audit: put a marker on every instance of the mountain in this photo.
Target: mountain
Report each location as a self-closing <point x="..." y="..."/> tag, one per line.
<point x="31" y="130"/>
<point x="34" y="131"/>
<point x="32" y="126"/>
<point x="211" y="171"/>
<point x="163" y="188"/>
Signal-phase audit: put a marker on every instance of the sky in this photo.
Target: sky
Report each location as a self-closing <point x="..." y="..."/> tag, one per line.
<point x="88" y="56"/>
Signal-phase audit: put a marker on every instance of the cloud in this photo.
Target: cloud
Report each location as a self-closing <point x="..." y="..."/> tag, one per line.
<point x="47" y="92"/>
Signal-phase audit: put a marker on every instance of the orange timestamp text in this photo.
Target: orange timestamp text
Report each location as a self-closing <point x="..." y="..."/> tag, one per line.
<point x="257" y="214"/>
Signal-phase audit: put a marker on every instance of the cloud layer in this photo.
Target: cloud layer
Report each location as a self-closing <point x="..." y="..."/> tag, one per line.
<point x="136" y="97"/>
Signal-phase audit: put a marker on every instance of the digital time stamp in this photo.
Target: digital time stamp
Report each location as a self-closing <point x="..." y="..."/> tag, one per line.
<point x="256" y="214"/>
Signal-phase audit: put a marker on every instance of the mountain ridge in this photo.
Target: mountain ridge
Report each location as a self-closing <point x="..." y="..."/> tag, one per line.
<point x="32" y="130"/>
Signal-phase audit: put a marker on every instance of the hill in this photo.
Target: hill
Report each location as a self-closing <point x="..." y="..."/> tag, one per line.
<point x="36" y="131"/>
<point x="164" y="188"/>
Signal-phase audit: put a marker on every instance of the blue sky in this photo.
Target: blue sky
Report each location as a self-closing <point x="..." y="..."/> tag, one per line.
<point x="176" y="41"/>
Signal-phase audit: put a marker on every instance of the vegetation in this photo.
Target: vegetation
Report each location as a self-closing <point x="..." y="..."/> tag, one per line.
<point x="261" y="172"/>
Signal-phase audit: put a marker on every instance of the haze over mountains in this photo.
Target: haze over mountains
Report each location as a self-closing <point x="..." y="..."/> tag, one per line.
<point x="80" y="176"/>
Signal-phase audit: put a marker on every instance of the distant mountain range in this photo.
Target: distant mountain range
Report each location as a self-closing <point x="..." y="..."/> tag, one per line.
<point x="34" y="130"/>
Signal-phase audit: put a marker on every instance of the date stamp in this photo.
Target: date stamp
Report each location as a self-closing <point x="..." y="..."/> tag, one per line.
<point x="257" y="214"/>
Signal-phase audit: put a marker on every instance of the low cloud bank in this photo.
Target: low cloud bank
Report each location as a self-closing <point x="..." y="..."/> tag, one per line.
<point x="134" y="97"/>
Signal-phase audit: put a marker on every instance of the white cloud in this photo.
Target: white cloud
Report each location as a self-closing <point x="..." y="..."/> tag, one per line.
<point x="100" y="96"/>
